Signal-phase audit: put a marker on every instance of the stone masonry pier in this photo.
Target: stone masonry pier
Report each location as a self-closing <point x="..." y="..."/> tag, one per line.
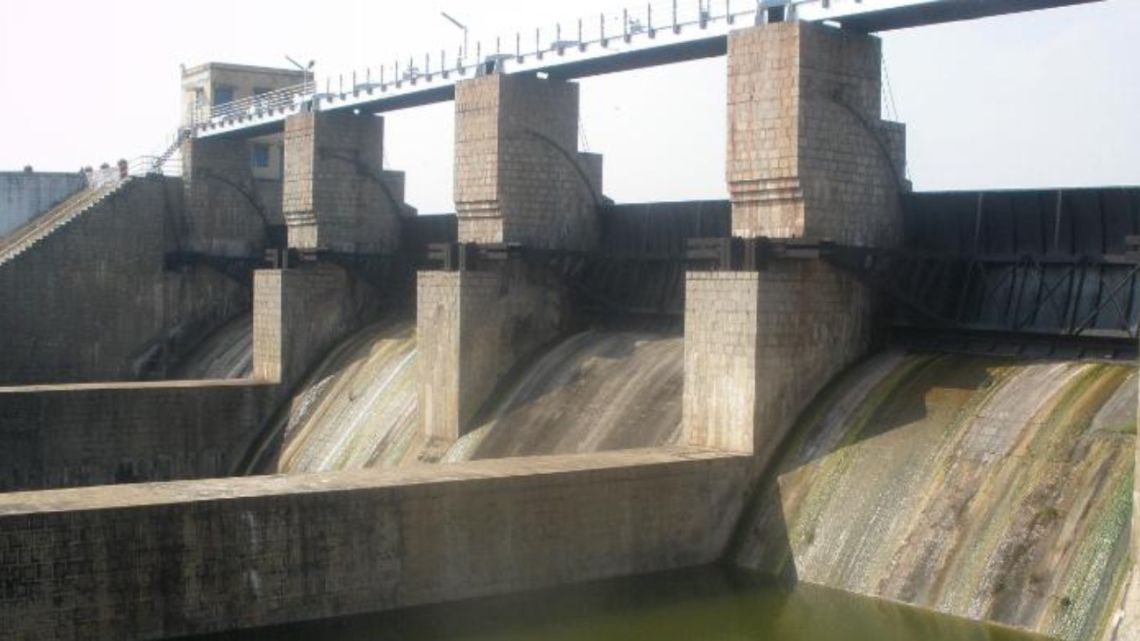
<point x="808" y="157"/>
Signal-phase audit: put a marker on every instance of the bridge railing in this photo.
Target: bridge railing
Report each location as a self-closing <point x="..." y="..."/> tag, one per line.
<point x="269" y="103"/>
<point x="603" y="34"/>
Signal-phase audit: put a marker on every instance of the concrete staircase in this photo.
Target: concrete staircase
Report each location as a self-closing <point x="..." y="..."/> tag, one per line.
<point x="25" y="237"/>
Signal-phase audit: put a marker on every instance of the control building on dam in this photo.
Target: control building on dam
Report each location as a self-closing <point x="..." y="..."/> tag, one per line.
<point x="260" y="389"/>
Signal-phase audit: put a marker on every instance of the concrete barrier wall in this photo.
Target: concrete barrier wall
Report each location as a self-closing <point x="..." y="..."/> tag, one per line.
<point x="25" y="195"/>
<point x="56" y="436"/>
<point x="79" y="435"/>
<point x="157" y="561"/>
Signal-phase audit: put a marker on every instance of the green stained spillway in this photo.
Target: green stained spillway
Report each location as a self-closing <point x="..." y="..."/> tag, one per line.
<point x="593" y="391"/>
<point x="990" y="489"/>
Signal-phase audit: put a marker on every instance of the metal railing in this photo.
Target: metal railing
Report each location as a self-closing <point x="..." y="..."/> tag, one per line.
<point x="604" y="34"/>
<point x="168" y="162"/>
<point x="287" y="99"/>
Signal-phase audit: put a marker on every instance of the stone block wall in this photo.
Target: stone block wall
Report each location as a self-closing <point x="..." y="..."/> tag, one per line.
<point x="54" y="436"/>
<point x="808" y="154"/>
<point x="472" y="328"/>
<point x="91" y="301"/>
<point x="80" y="435"/>
<point x="760" y="345"/>
<point x="518" y="175"/>
<point x="336" y="194"/>
<point x="299" y="314"/>
<point x="167" y="560"/>
<point x="721" y="324"/>
<point x="224" y="211"/>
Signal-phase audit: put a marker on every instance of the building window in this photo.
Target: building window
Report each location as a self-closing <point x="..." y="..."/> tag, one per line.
<point x="259" y="155"/>
<point x="222" y="95"/>
<point x="257" y="91"/>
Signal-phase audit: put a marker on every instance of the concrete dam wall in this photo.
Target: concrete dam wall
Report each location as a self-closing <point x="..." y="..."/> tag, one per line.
<point x="576" y="391"/>
<point x="987" y="488"/>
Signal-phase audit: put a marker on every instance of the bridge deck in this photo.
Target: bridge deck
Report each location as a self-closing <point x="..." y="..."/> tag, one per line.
<point x="665" y="33"/>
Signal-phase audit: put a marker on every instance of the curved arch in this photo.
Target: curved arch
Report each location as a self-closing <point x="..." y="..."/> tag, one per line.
<point x="572" y="159"/>
<point x="365" y="171"/>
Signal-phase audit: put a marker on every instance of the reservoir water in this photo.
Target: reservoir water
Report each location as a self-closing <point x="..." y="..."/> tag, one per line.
<point x="706" y="604"/>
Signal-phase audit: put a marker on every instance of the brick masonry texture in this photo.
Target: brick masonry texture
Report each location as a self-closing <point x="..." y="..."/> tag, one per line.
<point x="760" y="345"/>
<point x="472" y="327"/>
<point x="92" y="301"/>
<point x="518" y="175"/>
<point x="220" y="220"/>
<point x="289" y="334"/>
<point x="163" y="560"/>
<point x="91" y="434"/>
<point x="808" y="155"/>
<point x="81" y="435"/>
<point x="336" y="194"/>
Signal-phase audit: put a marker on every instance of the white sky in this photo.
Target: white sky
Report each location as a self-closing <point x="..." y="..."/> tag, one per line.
<point x="1034" y="100"/>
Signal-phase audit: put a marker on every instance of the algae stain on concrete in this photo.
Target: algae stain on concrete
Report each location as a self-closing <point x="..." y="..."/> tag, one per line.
<point x="983" y="488"/>
<point x="593" y="391"/>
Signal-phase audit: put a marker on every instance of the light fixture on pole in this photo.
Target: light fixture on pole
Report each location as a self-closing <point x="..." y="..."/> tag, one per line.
<point x="306" y="69"/>
<point x="461" y="26"/>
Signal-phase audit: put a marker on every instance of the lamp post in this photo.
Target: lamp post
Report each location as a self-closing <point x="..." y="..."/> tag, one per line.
<point x="305" y="69"/>
<point x="461" y="26"/>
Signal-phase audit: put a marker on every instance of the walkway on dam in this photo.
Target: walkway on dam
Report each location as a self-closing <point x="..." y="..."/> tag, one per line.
<point x="654" y="34"/>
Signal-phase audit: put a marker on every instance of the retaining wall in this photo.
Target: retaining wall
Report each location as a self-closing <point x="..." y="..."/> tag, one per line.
<point x="163" y="560"/>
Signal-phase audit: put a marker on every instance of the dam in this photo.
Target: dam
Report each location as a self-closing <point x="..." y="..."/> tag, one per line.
<point x="247" y="391"/>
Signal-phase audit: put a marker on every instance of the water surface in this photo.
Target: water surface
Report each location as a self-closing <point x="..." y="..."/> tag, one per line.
<point x="707" y="604"/>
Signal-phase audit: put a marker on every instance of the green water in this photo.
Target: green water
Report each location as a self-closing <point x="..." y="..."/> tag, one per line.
<point x="696" y="605"/>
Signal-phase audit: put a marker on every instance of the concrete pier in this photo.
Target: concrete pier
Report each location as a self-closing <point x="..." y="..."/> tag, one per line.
<point x="520" y="181"/>
<point x="337" y="195"/>
<point x="225" y="215"/>
<point x="519" y="177"/>
<point x="808" y="157"/>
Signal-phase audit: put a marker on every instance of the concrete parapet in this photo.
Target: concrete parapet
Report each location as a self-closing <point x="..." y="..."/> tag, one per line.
<point x="518" y="175"/>
<point x="808" y="155"/>
<point x="299" y="314"/>
<point x="166" y="560"/>
<point x="472" y="328"/>
<point x="760" y="345"/>
<point x="336" y="194"/>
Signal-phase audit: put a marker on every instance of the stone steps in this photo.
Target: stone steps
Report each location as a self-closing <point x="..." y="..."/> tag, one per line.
<point x="24" y="238"/>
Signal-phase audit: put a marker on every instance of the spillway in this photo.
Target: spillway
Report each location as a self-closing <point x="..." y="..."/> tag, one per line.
<point x="226" y="353"/>
<point x="997" y="490"/>
<point x="356" y="410"/>
<point x="595" y="390"/>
